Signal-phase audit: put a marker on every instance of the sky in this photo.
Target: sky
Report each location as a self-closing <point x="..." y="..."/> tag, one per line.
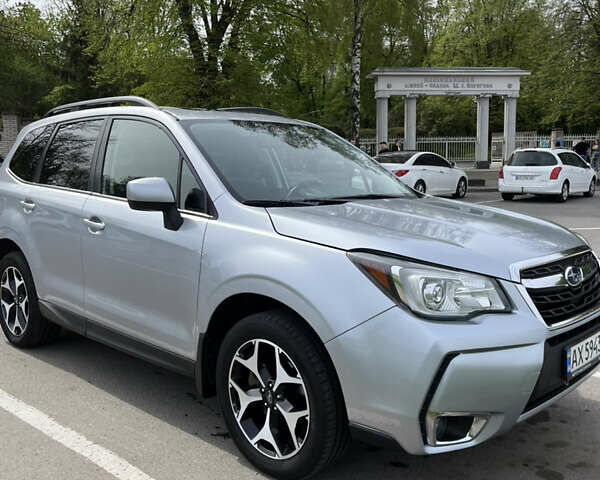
<point x="41" y="4"/>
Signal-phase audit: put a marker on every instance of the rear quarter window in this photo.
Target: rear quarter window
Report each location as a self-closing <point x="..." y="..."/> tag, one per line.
<point x="532" y="159"/>
<point x="29" y="153"/>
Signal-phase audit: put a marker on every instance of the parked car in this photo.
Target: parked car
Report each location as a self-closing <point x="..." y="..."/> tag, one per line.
<point x="426" y="172"/>
<point x="545" y="171"/>
<point x="291" y="275"/>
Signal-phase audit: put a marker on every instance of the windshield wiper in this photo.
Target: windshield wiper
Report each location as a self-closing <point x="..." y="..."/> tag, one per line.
<point x="366" y="196"/>
<point x="309" y="202"/>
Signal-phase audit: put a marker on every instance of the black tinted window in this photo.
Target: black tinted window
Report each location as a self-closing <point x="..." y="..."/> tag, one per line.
<point x="69" y="156"/>
<point x="394" y="158"/>
<point x="191" y="196"/>
<point x="29" y="153"/>
<point x="438" y="161"/>
<point x="532" y="159"/>
<point x="136" y="150"/>
<point x="424" y="160"/>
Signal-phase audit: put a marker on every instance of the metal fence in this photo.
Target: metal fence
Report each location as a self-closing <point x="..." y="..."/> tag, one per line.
<point x="462" y="149"/>
<point x="457" y="149"/>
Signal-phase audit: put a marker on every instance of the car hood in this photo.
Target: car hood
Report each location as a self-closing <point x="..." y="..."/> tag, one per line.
<point x="444" y="232"/>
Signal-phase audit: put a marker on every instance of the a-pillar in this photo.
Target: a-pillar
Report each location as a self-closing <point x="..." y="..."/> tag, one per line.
<point x="510" y="126"/>
<point x="382" y="121"/>
<point x="483" y="130"/>
<point x="410" y="123"/>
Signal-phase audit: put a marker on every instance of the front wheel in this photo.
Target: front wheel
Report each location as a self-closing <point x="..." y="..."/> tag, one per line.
<point x="461" y="188"/>
<point x="592" y="190"/>
<point x="280" y="397"/>
<point x="21" y="320"/>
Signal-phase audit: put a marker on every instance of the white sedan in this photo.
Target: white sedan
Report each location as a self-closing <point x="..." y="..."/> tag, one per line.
<point x="426" y="172"/>
<point x="546" y="171"/>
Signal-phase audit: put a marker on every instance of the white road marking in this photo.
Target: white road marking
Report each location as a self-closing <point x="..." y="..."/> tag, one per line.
<point x="597" y="375"/>
<point x="488" y="201"/>
<point x="96" y="454"/>
<point x="586" y="228"/>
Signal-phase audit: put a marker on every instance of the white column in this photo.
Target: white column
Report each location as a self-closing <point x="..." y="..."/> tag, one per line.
<point x="410" y="123"/>
<point x="510" y="125"/>
<point x="382" y="121"/>
<point x="483" y="130"/>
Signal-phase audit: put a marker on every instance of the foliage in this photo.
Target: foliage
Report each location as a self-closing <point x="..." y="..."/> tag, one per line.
<point x="296" y="56"/>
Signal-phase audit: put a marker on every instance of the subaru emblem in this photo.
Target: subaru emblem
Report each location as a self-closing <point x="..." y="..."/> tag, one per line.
<point x="574" y="276"/>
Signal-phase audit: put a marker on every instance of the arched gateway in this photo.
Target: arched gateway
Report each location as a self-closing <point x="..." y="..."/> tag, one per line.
<point x="481" y="83"/>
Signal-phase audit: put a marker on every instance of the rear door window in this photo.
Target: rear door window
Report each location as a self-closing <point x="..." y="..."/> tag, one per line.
<point x="29" y="153"/>
<point x="69" y="156"/>
<point x="532" y="159"/>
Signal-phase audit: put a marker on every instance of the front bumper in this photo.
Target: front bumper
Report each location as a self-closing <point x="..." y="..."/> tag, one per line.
<point x="548" y="188"/>
<point x="395" y="369"/>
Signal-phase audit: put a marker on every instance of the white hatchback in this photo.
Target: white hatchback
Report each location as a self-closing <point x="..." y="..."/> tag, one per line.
<point x="546" y="171"/>
<point x="426" y="172"/>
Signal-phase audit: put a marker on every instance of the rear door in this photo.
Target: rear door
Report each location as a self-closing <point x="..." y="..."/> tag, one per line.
<point x="54" y="207"/>
<point x="572" y="170"/>
<point x="429" y="172"/>
<point x="141" y="279"/>
<point x="584" y="172"/>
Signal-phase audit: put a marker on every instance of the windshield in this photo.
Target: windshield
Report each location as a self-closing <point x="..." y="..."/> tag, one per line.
<point x="395" y="157"/>
<point x="269" y="162"/>
<point x="532" y="159"/>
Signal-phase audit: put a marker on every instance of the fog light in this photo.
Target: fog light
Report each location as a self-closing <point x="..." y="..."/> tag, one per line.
<point x="454" y="428"/>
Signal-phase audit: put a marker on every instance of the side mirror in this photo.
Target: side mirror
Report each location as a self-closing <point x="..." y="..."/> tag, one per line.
<point x="452" y="163"/>
<point x="153" y="194"/>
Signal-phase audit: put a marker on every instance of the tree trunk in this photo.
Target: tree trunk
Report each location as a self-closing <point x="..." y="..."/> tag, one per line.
<point x="355" y="69"/>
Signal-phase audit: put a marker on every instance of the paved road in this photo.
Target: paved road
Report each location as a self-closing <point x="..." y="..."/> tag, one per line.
<point x="149" y="424"/>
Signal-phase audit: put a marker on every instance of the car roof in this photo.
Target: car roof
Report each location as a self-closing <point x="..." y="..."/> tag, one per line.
<point x="548" y="150"/>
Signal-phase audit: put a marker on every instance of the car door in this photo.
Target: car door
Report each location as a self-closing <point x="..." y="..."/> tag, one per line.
<point x="585" y="174"/>
<point x="141" y="279"/>
<point x="431" y="173"/>
<point x="448" y="177"/>
<point x="53" y="209"/>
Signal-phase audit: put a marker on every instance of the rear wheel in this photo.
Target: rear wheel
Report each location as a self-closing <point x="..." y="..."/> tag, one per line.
<point x="508" y="196"/>
<point x="280" y="397"/>
<point x="21" y="320"/>
<point x="564" y="193"/>
<point x="592" y="190"/>
<point x="420" y="186"/>
<point x="461" y="188"/>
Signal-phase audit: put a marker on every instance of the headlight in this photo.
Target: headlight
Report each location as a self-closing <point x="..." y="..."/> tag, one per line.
<point x="432" y="292"/>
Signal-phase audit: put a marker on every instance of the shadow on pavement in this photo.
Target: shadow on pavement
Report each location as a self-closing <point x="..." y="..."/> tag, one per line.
<point x="561" y="443"/>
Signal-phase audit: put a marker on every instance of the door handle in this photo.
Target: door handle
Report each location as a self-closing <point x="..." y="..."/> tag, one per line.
<point x="27" y="205"/>
<point x="94" y="224"/>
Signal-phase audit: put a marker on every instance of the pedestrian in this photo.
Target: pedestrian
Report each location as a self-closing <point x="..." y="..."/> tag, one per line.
<point x="397" y="147"/>
<point x="582" y="149"/>
<point x="354" y="142"/>
<point x="383" y="148"/>
<point x="596" y="158"/>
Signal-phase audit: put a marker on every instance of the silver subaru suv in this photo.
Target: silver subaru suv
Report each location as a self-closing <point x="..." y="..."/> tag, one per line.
<point x="287" y="272"/>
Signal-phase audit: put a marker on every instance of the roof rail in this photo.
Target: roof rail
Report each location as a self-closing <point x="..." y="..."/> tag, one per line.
<point x="257" y="110"/>
<point x="100" y="102"/>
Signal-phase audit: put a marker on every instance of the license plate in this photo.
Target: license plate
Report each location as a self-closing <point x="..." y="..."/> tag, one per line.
<point x="524" y="177"/>
<point x="582" y="355"/>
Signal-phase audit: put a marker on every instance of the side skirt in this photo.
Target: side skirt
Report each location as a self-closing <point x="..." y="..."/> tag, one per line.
<point x="118" y="340"/>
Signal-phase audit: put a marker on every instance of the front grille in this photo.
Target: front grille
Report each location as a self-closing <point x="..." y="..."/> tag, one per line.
<point x="559" y="303"/>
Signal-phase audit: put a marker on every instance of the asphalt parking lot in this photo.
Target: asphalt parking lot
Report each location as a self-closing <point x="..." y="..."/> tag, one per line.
<point x="143" y="423"/>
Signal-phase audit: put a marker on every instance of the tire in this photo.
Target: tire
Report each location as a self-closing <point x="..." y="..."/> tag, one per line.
<point x="420" y="187"/>
<point x="592" y="190"/>
<point x="508" y="196"/>
<point x="28" y="328"/>
<point x="461" y="188"/>
<point x="312" y="387"/>
<point x="564" y="195"/>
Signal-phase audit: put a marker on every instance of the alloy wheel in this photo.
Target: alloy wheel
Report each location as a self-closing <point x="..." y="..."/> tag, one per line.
<point x="14" y="301"/>
<point x="592" y="190"/>
<point x="565" y="191"/>
<point x="269" y="399"/>
<point x="420" y="187"/>
<point x="462" y="188"/>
